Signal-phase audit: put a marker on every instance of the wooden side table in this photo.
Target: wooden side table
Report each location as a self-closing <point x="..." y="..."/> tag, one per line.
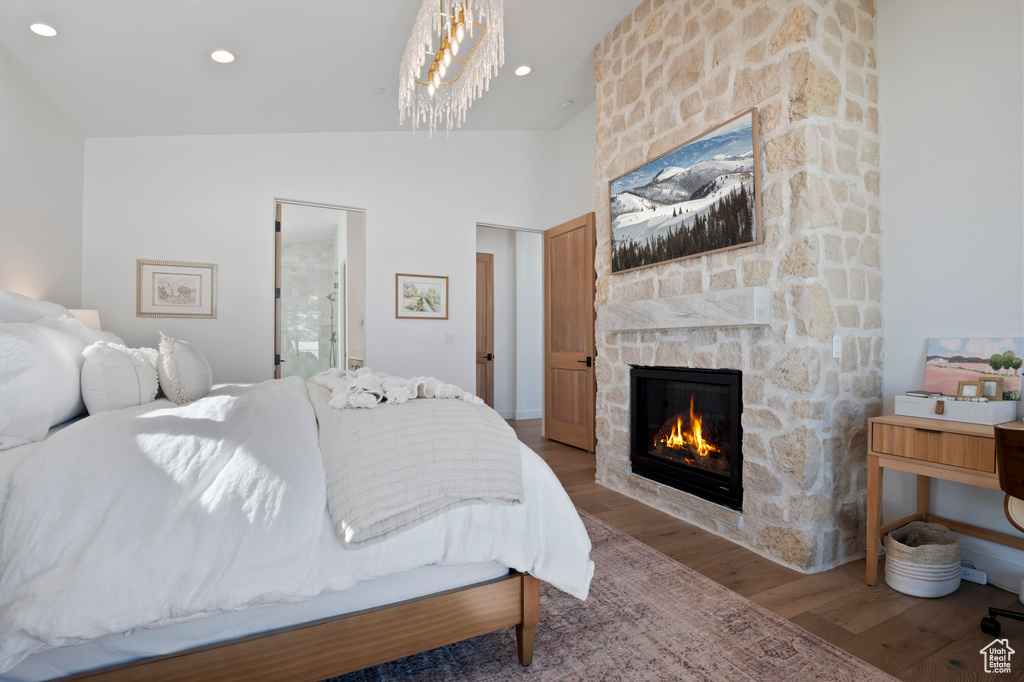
<point x="929" y="448"/>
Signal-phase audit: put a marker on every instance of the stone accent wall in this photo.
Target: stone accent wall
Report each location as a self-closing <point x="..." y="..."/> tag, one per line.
<point x="669" y="72"/>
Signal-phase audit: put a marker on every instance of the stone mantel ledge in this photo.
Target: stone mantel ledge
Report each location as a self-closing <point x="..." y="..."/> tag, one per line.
<point x="745" y="307"/>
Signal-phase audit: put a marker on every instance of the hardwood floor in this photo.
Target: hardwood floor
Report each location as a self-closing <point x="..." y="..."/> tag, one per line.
<point x="913" y="639"/>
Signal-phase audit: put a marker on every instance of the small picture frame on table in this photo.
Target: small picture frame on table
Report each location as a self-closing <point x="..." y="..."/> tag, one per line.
<point x="968" y="389"/>
<point x="991" y="387"/>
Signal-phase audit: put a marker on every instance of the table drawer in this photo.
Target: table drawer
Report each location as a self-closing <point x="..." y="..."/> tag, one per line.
<point x="941" y="447"/>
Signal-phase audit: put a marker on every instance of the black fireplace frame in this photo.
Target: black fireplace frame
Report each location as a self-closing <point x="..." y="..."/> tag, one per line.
<point x="706" y="486"/>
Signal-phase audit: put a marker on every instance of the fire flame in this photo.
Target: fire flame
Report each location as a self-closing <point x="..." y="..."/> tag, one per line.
<point x="691" y="440"/>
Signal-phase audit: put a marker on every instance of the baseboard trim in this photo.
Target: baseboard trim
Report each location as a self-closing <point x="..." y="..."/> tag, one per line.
<point x="528" y="414"/>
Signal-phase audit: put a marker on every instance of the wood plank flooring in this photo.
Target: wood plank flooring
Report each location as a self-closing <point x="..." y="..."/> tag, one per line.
<point x="913" y="639"/>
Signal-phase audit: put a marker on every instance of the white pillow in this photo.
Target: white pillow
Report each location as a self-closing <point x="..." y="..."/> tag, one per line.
<point x="184" y="372"/>
<point x="19" y="308"/>
<point x="40" y="369"/>
<point x="115" y="377"/>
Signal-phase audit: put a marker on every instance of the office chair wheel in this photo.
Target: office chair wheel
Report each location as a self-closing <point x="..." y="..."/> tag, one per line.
<point x="990" y="626"/>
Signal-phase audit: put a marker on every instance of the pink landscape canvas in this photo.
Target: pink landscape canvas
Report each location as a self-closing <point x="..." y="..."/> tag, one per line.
<point x="951" y="361"/>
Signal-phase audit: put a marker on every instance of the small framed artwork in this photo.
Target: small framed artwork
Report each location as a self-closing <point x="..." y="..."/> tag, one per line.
<point x="421" y="297"/>
<point x="968" y="389"/>
<point x="175" y="289"/>
<point x="991" y="387"/>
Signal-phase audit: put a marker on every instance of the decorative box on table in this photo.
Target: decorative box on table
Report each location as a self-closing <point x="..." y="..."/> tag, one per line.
<point x="993" y="412"/>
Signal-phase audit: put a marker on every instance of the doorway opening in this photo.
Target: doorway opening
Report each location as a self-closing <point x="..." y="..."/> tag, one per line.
<point x="319" y="288"/>
<point x="517" y="311"/>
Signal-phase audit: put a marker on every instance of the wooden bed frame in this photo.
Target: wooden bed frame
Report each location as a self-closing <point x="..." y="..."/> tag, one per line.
<point x="335" y="646"/>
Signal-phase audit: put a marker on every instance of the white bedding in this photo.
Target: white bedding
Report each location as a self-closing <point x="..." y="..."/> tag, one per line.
<point x="383" y="480"/>
<point x="157" y="495"/>
<point x="11" y="460"/>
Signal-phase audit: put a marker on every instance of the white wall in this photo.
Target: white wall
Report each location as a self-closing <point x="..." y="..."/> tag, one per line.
<point x="40" y="195"/>
<point x="952" y="172"/>
<point x="574" y="166"/>
<point x="211" y="199"/>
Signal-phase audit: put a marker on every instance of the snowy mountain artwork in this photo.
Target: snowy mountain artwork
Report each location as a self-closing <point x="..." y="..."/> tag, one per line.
<point x="702" y="196"/>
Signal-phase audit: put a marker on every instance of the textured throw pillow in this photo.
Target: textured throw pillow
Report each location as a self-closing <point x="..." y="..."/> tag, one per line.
<point x="184" y="372"/>
<point x="115" y="377"/>
<point x="40" y="370"/>
<point x="19" y="308"/>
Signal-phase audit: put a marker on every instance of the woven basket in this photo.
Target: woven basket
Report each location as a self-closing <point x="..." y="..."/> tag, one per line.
<point x="922" y="560"/>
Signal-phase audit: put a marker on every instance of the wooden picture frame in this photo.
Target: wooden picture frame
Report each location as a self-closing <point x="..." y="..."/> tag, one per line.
<point x="421" y="297"/>
<point x="702" y="197"/>
<point x="969" y="389"/>
<point x="991" y="387"/>
<point x="175" y="289"/>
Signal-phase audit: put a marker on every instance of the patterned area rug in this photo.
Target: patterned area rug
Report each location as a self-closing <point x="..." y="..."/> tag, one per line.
<point x="648" y="617"/>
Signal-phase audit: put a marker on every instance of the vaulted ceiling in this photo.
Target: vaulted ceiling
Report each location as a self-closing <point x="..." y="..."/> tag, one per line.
<point x="143" y="67"/>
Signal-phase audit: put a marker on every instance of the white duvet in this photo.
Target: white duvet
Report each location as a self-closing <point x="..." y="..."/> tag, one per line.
<point x="159" y="514"/>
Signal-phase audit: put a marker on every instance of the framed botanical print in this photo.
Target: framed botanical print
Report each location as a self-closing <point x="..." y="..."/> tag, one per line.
<point x="421" y="297"/>
<point x="175" y="289"/>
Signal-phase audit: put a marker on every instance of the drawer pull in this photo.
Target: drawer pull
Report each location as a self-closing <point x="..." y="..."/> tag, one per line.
<point x="927" y="430"/>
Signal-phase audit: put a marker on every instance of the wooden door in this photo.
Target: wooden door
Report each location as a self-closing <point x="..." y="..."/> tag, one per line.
<point x="569" y="386"/>
<point x="277" y="290"/>
<point x="485" y="327"/>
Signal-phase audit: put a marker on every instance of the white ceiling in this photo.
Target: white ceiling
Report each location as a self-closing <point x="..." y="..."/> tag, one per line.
<point x="143" y="67"/>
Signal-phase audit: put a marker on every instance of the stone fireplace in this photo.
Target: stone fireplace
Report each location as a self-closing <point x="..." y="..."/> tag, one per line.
<point x="685" y="430"/>
<point x="672" y="70"/>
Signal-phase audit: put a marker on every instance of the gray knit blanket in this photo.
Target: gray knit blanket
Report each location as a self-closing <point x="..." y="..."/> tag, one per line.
<point x="394" y="467"/>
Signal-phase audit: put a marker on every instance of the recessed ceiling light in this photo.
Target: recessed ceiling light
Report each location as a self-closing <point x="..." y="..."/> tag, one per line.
<point x="523" y="70"/>
<point x="222" y="57"/>
<point x="567" y="104"/>
<point x="43" y="30"/>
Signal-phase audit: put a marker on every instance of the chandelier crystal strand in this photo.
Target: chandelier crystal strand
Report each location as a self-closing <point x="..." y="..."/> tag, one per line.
<point x="450" y="102"/>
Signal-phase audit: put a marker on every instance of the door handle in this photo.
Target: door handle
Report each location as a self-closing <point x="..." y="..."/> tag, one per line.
<point x="589" y="361"/>
<point x="490" y="356"/>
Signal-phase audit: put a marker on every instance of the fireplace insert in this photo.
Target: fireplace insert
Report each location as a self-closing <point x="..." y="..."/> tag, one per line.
<point x="685" y="430"/>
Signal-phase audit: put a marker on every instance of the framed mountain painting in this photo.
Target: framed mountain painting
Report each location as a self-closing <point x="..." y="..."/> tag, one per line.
<point x="701" y="197"/>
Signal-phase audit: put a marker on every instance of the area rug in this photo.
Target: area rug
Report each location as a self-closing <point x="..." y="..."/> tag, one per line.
<point x="648" y="617"/>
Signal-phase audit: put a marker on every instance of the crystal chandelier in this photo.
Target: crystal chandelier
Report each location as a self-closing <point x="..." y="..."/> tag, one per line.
<point x="445" y="29"/>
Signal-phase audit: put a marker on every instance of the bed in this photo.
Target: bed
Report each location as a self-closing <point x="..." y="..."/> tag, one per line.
<point x="118" y="561"/>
